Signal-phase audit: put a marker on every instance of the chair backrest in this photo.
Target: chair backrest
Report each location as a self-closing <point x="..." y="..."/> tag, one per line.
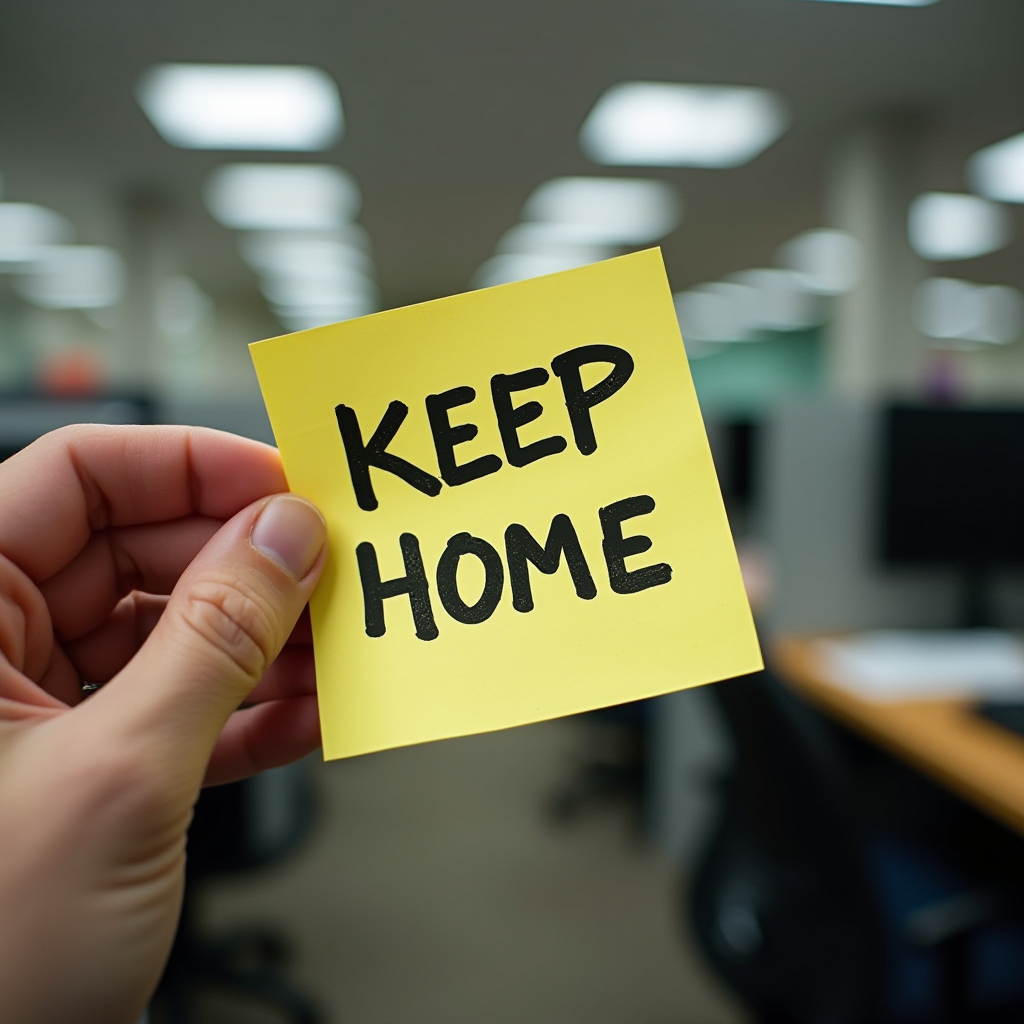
<point x="783" y="903"/>
<point x="244" y="825"/>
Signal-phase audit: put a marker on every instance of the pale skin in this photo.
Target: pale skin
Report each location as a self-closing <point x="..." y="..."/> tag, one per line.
<point x="164" y="563"/>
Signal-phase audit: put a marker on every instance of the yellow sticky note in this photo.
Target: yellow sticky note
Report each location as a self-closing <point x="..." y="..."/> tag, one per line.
<point x="524" y="519"/>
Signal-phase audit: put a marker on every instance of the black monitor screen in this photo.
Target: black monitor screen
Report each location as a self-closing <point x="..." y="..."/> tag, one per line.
<point x="953" y="486"/>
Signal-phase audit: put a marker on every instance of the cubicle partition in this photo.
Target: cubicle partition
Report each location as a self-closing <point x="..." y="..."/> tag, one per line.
<point x="819" y="521"/>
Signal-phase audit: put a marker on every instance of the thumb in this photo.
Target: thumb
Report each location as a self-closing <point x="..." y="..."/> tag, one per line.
<point x="227" y="619"/>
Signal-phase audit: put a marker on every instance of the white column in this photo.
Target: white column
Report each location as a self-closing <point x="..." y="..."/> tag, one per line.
<point x="873" y="347"/>
<point x="150" y="257"/>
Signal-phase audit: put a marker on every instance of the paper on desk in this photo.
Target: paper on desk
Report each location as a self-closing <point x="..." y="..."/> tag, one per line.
<point x="911" y="664"/>
<point x="540" y="495"/>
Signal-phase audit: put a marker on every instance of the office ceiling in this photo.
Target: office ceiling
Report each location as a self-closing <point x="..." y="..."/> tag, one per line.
<point x="457" y="109"/>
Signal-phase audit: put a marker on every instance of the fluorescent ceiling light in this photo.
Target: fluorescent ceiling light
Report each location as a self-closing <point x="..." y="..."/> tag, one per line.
<point x="888" y="3"/>
<point x="781" y="302"/>
<point x="605" y="211"/>
<point x="237" y="106"/>
<point x="295" y="319"/>
<point x="512" y="267"/>
<point x="951" y="310"/>
<point x="535" y="238"/>
<point x="997" y="171"/>
<point x="660" y="124"/>
<point x="282" y="196"/>
<point x="747" y="304"/>
<point x="298" y="255"/>
<point x="339" y="307"/>
<point x="316" y="292"/>
<point x="946" y="308"/>
<point x="950" y="226"/>
<point x="718" y="312"/>
<point x="74" y="277"/>
<point x="827" y="261"/>
<point x="27" y="231"/>
<point x="1004" y="314"/>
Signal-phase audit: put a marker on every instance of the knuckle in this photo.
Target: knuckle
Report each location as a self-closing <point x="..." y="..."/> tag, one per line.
<point x="235" y="622"/>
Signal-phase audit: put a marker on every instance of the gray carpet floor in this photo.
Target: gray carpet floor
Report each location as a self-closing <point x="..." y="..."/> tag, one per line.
<point x="434" y="891"/>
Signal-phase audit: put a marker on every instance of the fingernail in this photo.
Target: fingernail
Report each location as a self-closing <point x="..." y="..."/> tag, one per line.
<point x="291" y="532"/>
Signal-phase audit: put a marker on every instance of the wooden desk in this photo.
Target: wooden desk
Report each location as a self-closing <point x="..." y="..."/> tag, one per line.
<point x="979" y="760"/>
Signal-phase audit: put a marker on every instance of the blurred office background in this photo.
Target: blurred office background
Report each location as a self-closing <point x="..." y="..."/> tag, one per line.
<point x="836" y="188"/>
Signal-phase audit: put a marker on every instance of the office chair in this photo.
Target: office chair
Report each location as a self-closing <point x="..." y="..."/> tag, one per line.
<point x="612" y="767"/>
<point x="815" y="914"/>
<point x="239" y="827"/>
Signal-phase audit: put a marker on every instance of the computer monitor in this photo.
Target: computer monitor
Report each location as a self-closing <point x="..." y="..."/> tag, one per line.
<point x="952" y="493"/>
<point x="24" y="418"/>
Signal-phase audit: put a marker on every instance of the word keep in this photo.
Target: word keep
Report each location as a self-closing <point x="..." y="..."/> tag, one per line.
<point x="578" y="402"/>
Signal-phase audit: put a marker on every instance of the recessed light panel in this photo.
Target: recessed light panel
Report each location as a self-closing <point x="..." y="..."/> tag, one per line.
<point x="313" y="278"/>
<point x="519" y="266"/>
<point x="329" y="311"/>
<point x="74" y="277"/>
<point x="253" y="107"/>
<point x="723" y="311"/>
<point x="604" y="211"/>
<point x="950" y="226"/>
<point x="782" y="303"/>
<point x="296" y="256"/>
<point x="306" y="290"/>
<point x="282" y="196"/>
<point x="997" y="171"/>
<point x="535" y="237"/>
<point x="705" y="315"/>
<point x="27" y="231"/>
<point x="660" y="124"/>
<point x="570" y="222"/>
<point x="827" y="261"/>
<point x="959" y="311"/>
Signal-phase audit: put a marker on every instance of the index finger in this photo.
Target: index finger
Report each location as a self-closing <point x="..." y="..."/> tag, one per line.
<point x="84" y="478"/>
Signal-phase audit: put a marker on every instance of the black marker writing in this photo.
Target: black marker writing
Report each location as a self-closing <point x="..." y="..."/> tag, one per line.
<point x="414" y="583"/>
<point x="361" y="457"/>
<point x="618" y="548"/>
<point x="521" y="547"/>
<point x="579" y="400"/>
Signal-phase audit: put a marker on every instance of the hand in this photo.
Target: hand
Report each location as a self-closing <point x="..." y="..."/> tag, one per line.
<point x="97" y="526"/>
